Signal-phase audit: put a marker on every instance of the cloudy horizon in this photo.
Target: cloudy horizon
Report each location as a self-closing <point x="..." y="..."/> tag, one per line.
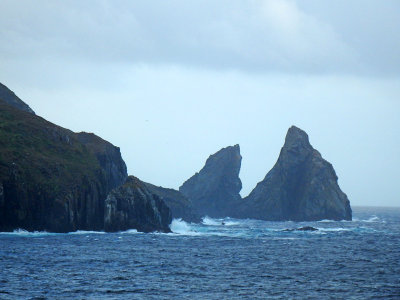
<point x="172" y="82"/>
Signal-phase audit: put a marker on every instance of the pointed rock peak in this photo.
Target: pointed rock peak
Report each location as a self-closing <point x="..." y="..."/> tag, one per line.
<point x="296" y="137"/>
<point x="234" y="148"/>
<point x="301" y="186"/>
<point x="10" y="98"/>
<point x="229" y="153"/>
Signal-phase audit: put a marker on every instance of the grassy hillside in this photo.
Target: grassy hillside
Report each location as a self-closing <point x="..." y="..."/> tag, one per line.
<point x="52" y="178"/>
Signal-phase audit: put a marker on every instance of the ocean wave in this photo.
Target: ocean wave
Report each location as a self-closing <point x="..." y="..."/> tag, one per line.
<point x="131" y="231"/>
<point x="334" y="221"/>
<point x="211" y="222"/>
<point x="335" y="229"/>
<point x="371" y="219"/>
<point x="178" y="226"/>
<point x="78" y="232"/>
<point x="25" y="233"/>
<point x="218" y="222"/>
<point x="231" y="223"/>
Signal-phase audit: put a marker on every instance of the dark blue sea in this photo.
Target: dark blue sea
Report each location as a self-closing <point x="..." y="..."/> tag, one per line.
<point x="243" y="259"/>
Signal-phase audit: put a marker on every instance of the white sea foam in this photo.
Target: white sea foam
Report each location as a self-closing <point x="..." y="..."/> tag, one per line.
<point x="181" y="227"/>
<point x="211" y="222"/>
<point x="86" y="232"/>
<point x="231" y="223"/>
<point x="333" y="229"/>
<point x="325" y="221"/>
<point x="131" y="231"/>
<point x="25" y="233"/>
<point x="333" y="221"/>
<point x="372" y="219"/>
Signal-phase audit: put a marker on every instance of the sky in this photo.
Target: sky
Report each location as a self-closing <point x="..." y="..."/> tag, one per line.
<point x="171" y="82"/>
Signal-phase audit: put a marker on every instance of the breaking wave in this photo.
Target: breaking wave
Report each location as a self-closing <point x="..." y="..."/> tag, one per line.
<point x="372" y="219"/>
<point x="130" y="231"/>
<point x="178" y="226"/>
<point x="25" y="233"/>
<point x="211" y="222"/>
<point x="86" y="232"/>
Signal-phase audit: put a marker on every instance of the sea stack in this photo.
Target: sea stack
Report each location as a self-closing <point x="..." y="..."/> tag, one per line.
<point x="302" y="186"/>
<point x="133" y="206"/>
<point x="214" y="191"/>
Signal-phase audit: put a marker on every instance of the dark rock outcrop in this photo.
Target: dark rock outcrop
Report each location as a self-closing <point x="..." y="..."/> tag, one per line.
<point x="52" y="178"/>
<point x="108" y="156"/>
<point x="133" y="206"/>
<point x="10" y="98"/>
<point x="214" y="191"/>
<point x="302" y="186"/>
<point x="180" y="206"/>
<point x="305" y="228"/>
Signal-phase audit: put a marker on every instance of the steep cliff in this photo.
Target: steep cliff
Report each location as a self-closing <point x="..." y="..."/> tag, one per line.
<point x="180" y="206"/>
<point x="52" y="178"/>
<point x="108" y="156"/>
<point x="133" y="206"/>
<point x="302" y="186"/>
<point x="10" y="98"/>
<point x="214" y="191"/>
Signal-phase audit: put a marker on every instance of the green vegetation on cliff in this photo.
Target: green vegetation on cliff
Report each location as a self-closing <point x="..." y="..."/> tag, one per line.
<point x="52" y="178"/>
<point x="40" y="150"/>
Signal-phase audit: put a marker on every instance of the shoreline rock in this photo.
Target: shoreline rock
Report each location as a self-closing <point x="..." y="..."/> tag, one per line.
<point x="181" y="207"/>
<point x="133" y="206"/>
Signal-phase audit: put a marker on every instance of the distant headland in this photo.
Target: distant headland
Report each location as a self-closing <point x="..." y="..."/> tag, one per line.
<point x="56" y="180"/>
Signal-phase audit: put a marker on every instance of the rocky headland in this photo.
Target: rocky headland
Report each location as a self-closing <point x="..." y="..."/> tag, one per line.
<point x="49" y="179"/>
<point x="52" y="179"/>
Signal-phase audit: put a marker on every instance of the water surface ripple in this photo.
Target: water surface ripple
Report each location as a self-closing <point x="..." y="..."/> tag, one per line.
<point x="243" y="259"/>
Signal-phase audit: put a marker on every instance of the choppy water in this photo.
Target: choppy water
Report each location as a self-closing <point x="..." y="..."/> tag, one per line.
<point x="243" y="259"/>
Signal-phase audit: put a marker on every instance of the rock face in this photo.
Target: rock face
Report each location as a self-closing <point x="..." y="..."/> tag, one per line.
<point x="214" y="191"/>
<point x="302" y="186"/>
<point x="52" y="178"/>
<point x="108" y="156"/>
<point x="10" y="98"/>
<point x="133" y="206"/>
<point x="180" y="206"/>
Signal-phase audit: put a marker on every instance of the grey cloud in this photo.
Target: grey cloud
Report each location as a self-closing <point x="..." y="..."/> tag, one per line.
<point x="261" y="36"/>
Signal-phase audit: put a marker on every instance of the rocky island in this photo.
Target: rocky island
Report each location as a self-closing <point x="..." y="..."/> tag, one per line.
<point x="302" y="186"/>
<point x="214" y="191"/>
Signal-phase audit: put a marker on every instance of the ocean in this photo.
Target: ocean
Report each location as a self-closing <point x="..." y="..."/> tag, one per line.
<point x="217" y="259"/>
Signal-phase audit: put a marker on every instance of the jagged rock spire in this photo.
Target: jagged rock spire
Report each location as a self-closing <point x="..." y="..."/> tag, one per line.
<point x="302" y="186"/>
<point x="214" y="191"/>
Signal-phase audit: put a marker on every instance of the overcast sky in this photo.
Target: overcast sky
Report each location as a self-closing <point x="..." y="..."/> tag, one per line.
<point x="171" y="82"/>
